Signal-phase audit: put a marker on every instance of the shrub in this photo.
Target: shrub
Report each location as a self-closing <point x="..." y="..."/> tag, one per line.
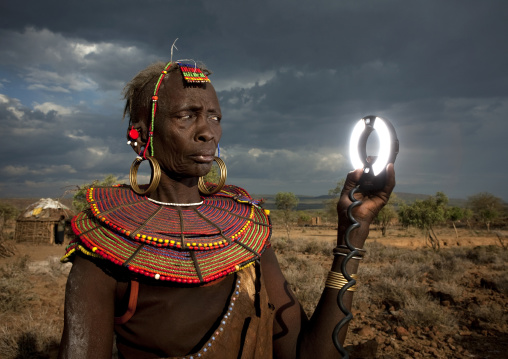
<point x="483" y="254"/>
<point x="423" y="312"/>
<point x="14" y="288"/>
<point x="306" y="278"/>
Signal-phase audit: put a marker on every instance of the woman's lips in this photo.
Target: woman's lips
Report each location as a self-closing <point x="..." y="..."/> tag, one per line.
<point x="205" y="158"/>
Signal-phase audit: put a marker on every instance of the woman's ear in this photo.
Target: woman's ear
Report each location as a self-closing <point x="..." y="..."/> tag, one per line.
<point x="137" y="135"/>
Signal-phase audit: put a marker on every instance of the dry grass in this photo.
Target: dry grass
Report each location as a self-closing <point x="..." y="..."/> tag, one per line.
<point x="412" y="288"/>
<point x="29" y="326"/>
<point x="14" y="289"/>
<point x="453" y="290"/>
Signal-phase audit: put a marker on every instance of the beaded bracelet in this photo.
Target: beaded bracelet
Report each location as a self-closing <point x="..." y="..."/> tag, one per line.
<point x="336" y="280"/>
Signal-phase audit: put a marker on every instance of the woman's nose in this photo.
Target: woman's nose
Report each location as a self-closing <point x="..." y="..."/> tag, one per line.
<point x="204" y="131"/>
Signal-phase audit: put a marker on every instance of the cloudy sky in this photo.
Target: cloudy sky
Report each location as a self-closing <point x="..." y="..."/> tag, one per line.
<point x="293" y="77"/>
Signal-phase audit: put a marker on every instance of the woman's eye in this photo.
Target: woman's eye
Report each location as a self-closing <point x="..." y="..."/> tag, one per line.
<point x="215" y="118"/>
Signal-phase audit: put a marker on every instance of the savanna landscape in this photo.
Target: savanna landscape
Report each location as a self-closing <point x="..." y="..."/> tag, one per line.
<point x="415" y="300"/>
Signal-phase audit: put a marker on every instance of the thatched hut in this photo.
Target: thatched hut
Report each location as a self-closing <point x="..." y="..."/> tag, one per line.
<point x="37" y="223"/>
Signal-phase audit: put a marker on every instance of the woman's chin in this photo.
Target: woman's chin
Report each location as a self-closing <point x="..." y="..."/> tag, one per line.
<point x="197" y="170"/>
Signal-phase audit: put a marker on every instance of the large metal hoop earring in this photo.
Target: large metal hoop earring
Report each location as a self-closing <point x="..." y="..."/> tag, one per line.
<point x="223" y="175"/>
<point x="155" y="177"/>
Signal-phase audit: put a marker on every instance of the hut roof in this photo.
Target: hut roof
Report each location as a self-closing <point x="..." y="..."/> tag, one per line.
<point x="46" y="209"/>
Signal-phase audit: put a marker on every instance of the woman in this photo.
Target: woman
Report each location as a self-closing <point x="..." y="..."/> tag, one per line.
<point x="176" y="273"/>
<point x="60" y="230"/>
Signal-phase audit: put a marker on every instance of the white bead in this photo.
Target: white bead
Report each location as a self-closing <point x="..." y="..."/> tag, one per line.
<point x="175" y="204"/>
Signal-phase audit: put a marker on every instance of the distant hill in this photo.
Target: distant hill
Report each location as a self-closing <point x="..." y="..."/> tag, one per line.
<point x="411" y="197"/>
<point x="317" y="202"/>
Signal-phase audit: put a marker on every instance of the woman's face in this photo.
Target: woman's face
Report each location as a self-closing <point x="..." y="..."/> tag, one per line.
<point x="187" y="127"/>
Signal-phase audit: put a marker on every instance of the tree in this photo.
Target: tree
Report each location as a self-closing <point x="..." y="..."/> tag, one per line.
<point x="468" y="214"/>
<point x="286" y="202"/>
<point x="7" y="212"/>
<point x="331" y="204"/>
<point x="455" y="214"/>
<point x="387" y="213"/>
<point x="79" y="199"/>
<point x="486" y="207"/>
<point x="425" y="215"/>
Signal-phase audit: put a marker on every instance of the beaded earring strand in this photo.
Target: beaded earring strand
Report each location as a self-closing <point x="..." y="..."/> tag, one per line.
<point x="154" y="110"/>
<point x="191" y="75"/>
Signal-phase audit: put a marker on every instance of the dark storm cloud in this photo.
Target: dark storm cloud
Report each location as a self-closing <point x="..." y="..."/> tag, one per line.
<point x="292" y="78"/>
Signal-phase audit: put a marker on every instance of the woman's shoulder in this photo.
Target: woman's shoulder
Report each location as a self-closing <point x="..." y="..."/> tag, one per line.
<point x="239" y="194"/>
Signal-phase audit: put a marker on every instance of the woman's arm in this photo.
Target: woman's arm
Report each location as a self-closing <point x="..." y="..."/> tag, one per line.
<point x="294" y="335"/>
<point x="89" y="312"/>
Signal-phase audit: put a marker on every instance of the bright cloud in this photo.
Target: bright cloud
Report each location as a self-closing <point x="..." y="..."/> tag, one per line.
<point x="49" y="106"/>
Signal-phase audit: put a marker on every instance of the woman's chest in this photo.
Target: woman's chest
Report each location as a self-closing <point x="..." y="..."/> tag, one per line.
<point x="172" y="321"/>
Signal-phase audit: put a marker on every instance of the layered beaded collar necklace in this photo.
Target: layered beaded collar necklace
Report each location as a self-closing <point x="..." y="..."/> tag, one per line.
<point x="190" y="244"/>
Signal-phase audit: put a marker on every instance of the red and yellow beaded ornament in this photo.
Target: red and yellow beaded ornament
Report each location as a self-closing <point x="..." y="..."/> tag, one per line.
<point x="193" y="74"/>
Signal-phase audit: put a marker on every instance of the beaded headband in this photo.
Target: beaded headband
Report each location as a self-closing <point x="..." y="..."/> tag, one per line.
<point x="191" y="74"/>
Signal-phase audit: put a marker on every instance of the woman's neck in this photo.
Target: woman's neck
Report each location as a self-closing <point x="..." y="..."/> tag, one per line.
<point x="184" y="190"/>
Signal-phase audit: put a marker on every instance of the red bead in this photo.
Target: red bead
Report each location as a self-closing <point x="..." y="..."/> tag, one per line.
<point x="133" y="133"/>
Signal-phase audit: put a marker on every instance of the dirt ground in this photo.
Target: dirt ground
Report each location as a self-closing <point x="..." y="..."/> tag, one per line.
<point x="402" y="238"/>
<point x="368" y="337"/>
<point x="49" y="283"/>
